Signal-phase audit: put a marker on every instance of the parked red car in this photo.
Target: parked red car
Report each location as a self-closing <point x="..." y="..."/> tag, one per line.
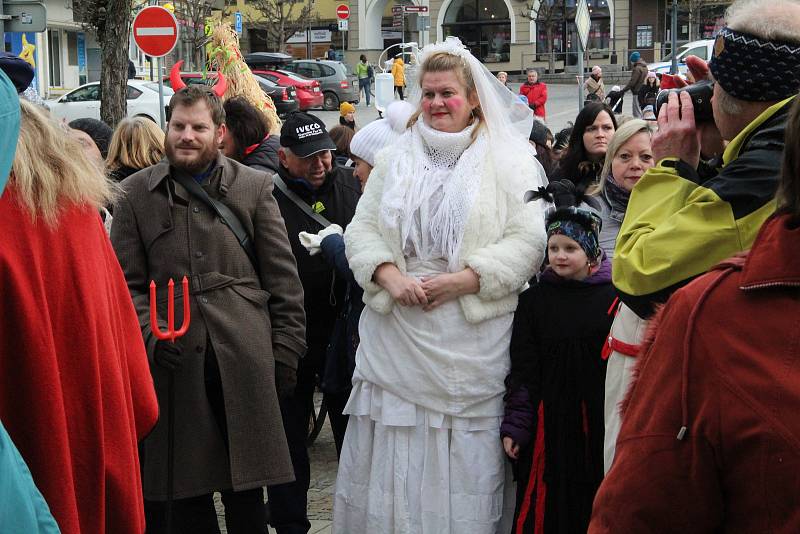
<point x="308" y="92"/>
<point x="284" y="98"/>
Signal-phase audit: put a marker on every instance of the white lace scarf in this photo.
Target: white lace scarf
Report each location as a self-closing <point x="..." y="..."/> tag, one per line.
<point x="430" y="191"/>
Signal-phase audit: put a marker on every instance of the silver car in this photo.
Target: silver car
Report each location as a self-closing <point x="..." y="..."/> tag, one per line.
<point x="337" y="84"/>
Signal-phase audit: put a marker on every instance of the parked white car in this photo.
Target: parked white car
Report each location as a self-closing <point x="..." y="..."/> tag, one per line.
<point x="702" y="49"/>
<point x="84" y="102"/>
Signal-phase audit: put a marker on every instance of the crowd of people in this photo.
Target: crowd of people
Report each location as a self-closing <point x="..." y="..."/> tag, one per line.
<point x="514" y="330"/>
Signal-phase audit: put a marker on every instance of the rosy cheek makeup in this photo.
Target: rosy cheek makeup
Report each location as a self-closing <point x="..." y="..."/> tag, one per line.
<point x="454" y="103"/>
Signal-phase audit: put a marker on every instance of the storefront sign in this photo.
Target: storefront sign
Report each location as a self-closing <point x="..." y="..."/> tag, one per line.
<point x="317" y="36"/>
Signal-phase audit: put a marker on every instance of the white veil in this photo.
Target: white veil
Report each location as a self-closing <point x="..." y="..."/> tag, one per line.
<point x="508" y="120"/>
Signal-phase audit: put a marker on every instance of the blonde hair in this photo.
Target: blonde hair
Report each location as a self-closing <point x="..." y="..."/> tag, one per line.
<point x="51" y="169"/>
<point x="444" y="62"/>
<point x="137" y="143"/>
<point x="621" y="136"/>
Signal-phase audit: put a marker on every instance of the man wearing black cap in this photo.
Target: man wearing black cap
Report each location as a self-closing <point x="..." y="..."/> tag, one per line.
<point x="308" y="183"/>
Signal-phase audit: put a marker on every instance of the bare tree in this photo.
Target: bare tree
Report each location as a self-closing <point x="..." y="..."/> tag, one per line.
<point x="281" y="19"/>
<point x="191" y="15"/>
<point x="546" y="13"/>
<point x="110" y="22"/>
<point x="696" y="10"/>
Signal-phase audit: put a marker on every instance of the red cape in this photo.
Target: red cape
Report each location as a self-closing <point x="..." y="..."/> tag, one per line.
<point x="76" y="393"/>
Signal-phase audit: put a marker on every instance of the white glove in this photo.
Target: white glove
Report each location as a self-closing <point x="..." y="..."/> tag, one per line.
<point x="312" y="242"/>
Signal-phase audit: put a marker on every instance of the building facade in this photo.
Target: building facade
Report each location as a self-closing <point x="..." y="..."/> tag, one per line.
<point x="509" y="35"/>
<point x="64" y="56"/>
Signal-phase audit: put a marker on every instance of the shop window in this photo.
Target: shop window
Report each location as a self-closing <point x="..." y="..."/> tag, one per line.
<point x="72" y="49"/>
<point x="599" y="30"/>
<point x="483" y="26"/>
<point x="54" y="61"/>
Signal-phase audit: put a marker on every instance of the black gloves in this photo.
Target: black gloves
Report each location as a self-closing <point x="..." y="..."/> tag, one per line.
<point x="285" y="380"/>
<point x="168" y="355"/>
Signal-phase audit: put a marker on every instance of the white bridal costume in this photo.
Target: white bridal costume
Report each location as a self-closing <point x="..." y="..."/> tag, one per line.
<point x="422" y="453"/>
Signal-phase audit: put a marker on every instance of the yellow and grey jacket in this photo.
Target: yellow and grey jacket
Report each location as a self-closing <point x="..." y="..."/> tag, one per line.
<point x="679" y="224"/>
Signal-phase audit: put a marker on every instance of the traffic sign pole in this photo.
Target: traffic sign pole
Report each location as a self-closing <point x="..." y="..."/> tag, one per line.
<point x="161" y="117"/>
<point x="155" y="31"/>
<point x="342" y="13"/>
<point x="582" y="24"/>
<point x="403" y="30"/>
<point x="580" y="75"/>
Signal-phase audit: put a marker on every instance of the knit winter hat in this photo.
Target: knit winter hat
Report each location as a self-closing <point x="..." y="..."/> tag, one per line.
<point x="651" y="74"/>
<point x="581" y="225"/>
<point x="99" y="131"/>
<point x="17" y="69"/>
<point x="345" y="108"/>
<point x="376" y="135"/>
<point x="754" y="69"/>
<point x="635" y="56"/>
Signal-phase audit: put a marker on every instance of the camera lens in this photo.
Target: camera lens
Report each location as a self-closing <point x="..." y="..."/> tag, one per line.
<point x="700" y="92"/>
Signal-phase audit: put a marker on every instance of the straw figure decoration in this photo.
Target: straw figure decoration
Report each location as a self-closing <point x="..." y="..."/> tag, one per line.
<point x="225" y="56"/>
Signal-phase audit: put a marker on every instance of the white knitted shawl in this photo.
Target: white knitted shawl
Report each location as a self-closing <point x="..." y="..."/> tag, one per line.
<point x="428" y="193"/>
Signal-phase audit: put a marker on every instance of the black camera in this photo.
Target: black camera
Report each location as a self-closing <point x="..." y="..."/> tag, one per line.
<point x="701" y="93"/>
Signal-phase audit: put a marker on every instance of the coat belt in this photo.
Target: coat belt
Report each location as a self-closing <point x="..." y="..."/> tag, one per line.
<point x="205" y="282"/>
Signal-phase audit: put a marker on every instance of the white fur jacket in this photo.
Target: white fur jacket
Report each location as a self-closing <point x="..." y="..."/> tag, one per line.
<point x="504" y="242"/>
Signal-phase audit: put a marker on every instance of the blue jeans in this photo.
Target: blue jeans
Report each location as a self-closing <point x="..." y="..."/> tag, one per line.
<point x="364" y="85"/>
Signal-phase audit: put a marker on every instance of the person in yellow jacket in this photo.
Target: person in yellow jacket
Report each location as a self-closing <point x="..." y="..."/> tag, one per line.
<point x="685" y="215"/>
<point x="399" y="73"/>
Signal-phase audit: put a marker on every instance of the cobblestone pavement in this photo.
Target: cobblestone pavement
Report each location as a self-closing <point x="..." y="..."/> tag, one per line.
<point x="323" y="475"/>
<point x="323" y="479"/>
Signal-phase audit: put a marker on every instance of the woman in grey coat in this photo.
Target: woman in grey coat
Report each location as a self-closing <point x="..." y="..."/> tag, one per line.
<point x="628" y="156"/>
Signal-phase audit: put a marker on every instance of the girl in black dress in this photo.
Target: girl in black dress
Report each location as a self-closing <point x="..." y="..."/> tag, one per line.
<point x="553" y="424"/>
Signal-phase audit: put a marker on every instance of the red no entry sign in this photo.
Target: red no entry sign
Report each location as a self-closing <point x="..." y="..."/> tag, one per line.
<point x="342" y="11"/>
<point x="155" y="31"/>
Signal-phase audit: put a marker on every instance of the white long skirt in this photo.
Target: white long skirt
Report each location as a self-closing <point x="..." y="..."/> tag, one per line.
<point x="408" y="470"/>
<point x="422" y="453"/>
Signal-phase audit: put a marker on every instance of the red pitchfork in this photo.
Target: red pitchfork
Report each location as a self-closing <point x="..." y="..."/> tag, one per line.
<point x="171" y="333"/>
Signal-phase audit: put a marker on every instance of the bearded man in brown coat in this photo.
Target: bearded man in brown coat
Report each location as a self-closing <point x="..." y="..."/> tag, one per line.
<point x="247" y="321"/>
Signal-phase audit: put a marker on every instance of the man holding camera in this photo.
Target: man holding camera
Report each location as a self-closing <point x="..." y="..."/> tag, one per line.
<point x="716" y="179"/>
